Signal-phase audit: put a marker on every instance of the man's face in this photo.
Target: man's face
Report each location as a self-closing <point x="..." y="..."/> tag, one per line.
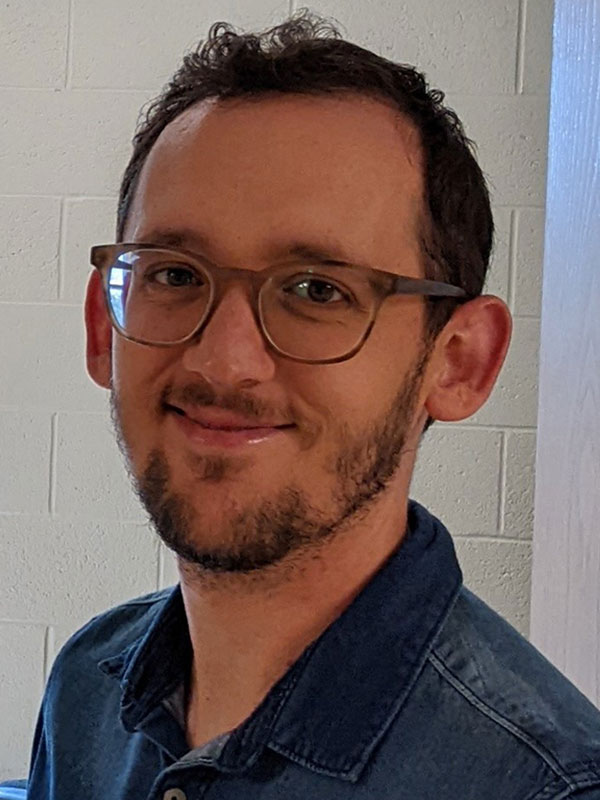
<point x="243" y="183"/>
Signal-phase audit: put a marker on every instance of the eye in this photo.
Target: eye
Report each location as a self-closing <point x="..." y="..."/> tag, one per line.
<point x="318" y="291"/>
<point x="176" y="276"/>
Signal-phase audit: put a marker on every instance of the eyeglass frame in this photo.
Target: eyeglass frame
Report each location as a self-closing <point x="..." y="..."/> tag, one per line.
<point x="103" y="256"/>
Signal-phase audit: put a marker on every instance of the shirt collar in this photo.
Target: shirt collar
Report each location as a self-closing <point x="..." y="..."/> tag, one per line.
<point x="332" y="707"/>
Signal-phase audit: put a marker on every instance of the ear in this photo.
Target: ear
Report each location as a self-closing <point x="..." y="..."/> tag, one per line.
<point x="99" y="333"/>
<point x="467" y="358"/>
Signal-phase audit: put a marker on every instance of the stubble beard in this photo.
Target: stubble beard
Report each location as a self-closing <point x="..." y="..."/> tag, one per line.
<point x="286" y="525"/>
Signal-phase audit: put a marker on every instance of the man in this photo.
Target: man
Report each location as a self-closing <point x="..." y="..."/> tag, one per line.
<point x="295" y="295"/>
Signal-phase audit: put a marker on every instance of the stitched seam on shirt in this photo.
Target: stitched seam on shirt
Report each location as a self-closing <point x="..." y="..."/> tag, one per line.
<point x="373" y="739"/>
<point x="485" y="709"/>
<point x="580" y="780"/>
<point x="307" y="762"/>
<point x="286" y="690"/>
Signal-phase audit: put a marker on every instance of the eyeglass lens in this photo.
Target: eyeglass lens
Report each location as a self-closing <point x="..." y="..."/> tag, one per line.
<point x="308" y="313"/>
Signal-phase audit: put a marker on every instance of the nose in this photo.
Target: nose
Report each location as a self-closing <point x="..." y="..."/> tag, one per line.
<point x="231" y="350"/>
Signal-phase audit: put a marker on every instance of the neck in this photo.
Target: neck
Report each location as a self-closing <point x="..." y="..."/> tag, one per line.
<point x="246" y="631"/>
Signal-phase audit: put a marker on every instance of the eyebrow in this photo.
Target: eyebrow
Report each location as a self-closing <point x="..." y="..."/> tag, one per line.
<point x="304" y="251"/>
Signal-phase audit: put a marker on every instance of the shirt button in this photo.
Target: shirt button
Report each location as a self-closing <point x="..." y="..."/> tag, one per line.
<point x="174" y="794"/>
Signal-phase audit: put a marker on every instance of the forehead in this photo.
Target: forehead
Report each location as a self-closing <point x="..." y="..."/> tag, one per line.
<point x="342" y="167"/>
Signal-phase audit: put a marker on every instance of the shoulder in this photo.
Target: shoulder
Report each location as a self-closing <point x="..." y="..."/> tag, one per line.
<point x="80" y="697"/>
<point x="109" y="634"/>
<point x="530" y="707"/>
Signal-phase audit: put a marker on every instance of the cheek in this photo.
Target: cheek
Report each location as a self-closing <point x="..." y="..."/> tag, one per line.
<point x="137" y="375"/>
<point x="336" y="396"/>
<point x="356" y="391"/>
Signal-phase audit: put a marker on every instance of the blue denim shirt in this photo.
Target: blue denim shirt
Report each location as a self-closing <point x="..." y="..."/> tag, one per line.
<point x="418" y="691"/>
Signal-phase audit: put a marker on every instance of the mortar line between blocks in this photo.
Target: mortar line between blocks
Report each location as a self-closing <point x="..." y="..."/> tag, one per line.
<point x="61" y="249"/>
<point x="291" y="7"/>
<point x="31" y="194"/>
<point x="49" y="643"/>
<point x="53" y="463"/>
<point x="520" y="60"/>
<point x="475" y="537"/>
<point x="37" y="304"/>
<point x="512" y="257"/>
<point x="473" y="426"/>
<point x="502" y="486"/>
<point x="69" y="59"/>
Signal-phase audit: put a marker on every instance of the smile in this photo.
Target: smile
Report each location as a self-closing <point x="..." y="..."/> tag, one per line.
<point x="205" y="434"/>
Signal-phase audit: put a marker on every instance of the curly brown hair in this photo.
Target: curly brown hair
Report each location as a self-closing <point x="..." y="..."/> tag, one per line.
<point x="306" y="54"/>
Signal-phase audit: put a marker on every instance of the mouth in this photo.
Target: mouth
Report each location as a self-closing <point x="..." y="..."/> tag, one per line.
<point x="213" y="428"/>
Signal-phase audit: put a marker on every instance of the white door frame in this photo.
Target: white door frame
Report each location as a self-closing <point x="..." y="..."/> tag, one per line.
<point x="565" y="612"/>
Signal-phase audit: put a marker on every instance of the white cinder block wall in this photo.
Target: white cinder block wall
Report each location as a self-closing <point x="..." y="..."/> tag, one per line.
<point x="73" y="75"/>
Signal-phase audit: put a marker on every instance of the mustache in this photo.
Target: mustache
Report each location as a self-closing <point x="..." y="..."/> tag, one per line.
<point x="204" y="395"/>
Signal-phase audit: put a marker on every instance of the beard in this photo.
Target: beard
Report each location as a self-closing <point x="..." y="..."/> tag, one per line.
<point x="284" y="526"/>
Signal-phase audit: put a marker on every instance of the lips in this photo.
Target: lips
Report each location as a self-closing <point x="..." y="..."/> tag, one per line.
<point x="220" y="419"/>
<point x="215" y="428"/>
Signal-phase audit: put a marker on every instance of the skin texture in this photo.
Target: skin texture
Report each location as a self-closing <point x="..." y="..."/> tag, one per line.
<point x="276" y="539"/>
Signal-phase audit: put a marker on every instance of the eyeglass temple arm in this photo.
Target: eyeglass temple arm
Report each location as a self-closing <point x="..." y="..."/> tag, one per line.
<point x="428" y="288"/>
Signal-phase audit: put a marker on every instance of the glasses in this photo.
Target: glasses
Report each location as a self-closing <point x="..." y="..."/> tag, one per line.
<point x="321" y="314"/>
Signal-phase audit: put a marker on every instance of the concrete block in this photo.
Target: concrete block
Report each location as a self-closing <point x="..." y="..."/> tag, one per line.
<point x="74" y="142"/>
<point x="514" y="400"/>
<point x="150" y="36"/>
<point x="500" y="573"/>
<point x="22" y="681"/>
<point x="537" y="46"/>
<point x="29" y="232"/>
<point x="529" y="261"/>
<point x="462" y="46"/>
<point x="45" y="366"/>
<point x="457" y="478"/>
<point x="33" y="43"/>
<point x="87" y="222"/>
<point x="25" y="474"/>
<point x="511" y="134"/>
<point x="91" y="480"/>
<point x="520" y="484"/>
<point x="64" y="571"/>
<point x="498" y="273"/>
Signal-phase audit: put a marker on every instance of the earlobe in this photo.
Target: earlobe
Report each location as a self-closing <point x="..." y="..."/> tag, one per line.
<point x="469" y="355"/>
<point x="98" y="333"/>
